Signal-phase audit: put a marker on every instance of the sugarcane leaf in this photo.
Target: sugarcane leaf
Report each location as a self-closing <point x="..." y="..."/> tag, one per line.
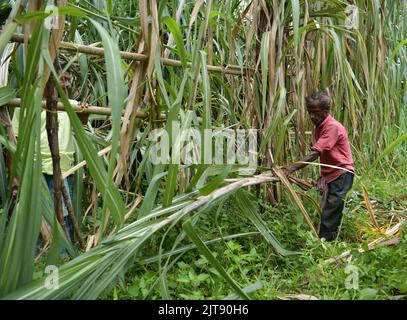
<point x="40" y="15"/>
<point x="216" y="182"/>
<point x="295" y="4"/>
<point x="248" y="210"/>
<point x="391" y="147"/>
<point x="6" y="94"/>
<point x="206" y="87"/>
<point x="179" y="40"/>
<point x="6" y="34"/>
<point x="397" y="48"/>
<point x="18" y="243"/>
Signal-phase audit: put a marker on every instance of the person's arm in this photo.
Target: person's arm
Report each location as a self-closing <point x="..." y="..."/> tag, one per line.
<point x="83" y="117"/>
<point x="326" y="141"/>
<point x="308" y="158"/>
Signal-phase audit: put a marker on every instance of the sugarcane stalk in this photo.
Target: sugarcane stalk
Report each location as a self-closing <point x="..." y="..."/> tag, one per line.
<point x="71" y="214"/>
<point x="51" y="126"/>
<point x="303" y="184"/>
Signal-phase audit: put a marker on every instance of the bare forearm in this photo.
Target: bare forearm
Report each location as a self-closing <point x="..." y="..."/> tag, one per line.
<point x="308" y="158"/>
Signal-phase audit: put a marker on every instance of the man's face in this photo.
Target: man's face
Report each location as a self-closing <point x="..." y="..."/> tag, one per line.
<point x="65" y="80"/>
<point x="316" y="114"/>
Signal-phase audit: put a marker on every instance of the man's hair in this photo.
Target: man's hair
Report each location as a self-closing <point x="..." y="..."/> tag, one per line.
<point x="320" y="98"/>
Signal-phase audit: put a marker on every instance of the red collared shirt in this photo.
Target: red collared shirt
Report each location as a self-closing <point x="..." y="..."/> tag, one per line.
<point x="333" y="145"/>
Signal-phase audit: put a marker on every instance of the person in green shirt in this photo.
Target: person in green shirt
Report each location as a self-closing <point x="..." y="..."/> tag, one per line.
<point x="66" y="146"/>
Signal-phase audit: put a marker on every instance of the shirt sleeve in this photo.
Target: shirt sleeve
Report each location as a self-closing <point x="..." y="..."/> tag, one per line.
<point x="327" y="140"/>
<point x="15" y="121"/>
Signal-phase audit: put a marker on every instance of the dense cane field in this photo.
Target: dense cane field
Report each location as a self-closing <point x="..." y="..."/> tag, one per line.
<point x="172" y="228"/>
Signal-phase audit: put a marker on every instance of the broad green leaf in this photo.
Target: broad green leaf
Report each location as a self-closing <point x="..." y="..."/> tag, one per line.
<point x="117" y="92"/>
<point x="179" y="40"/>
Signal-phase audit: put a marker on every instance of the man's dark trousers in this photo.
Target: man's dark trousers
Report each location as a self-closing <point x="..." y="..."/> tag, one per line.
<point x="333" y="204"/>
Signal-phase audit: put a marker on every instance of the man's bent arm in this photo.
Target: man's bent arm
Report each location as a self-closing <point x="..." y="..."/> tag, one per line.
<point x="308" y="158"/>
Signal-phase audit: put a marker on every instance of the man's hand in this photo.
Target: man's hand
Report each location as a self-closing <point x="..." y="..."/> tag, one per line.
<point x="289" y="170"/>
<point x="84" y="117"/>
<point x="321" y="185"/>
<point x="308" y="158"/>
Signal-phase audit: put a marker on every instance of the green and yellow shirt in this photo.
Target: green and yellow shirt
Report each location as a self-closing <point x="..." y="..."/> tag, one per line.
<point x="65" y="139"/>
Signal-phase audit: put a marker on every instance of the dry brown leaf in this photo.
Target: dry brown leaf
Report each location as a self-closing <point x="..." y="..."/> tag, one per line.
<point x="369" y="206"/>
<point x="295" y="198"/>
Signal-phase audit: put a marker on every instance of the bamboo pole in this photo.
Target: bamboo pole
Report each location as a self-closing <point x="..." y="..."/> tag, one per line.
<point x="69" y="46"/>
<point x="16" y="103"/>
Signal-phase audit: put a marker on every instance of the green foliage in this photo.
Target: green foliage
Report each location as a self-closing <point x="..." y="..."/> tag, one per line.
<point x="249" y="259"/>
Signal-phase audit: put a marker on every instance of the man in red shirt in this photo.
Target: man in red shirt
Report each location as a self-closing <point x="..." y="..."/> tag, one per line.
<point x="332" y="146"/>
